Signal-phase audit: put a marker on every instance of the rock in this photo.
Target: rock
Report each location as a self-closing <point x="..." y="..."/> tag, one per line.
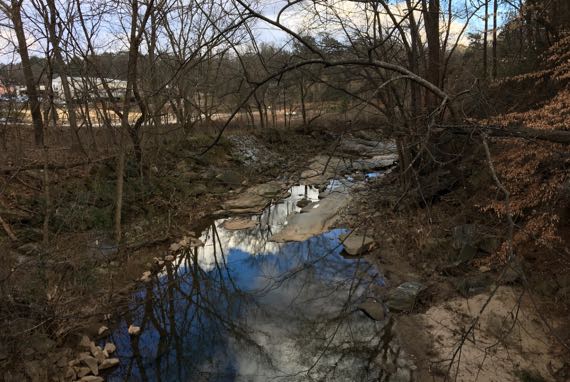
<point x="465" y="234"/>
<point x="301" y="227"/>
<point x="467" y="253"/>
<point x="146" y="277"/>
<point x="403" y="298"/>
<point x="474" y="235"/>
<point x="196" y="242"/>
<point x="246" y="203"/>
<point x="82" y="371"/>
<point x="230" y="178"/>
<point x="269" y="190"/>
<point x="99" y="354"/>
<point x="85" y="343"/>
<point x="356" y="244"/>
<point x="91" y="363"/>
<point x="70" y="374"/>
<point x="134" y="330"/>
<point x="373" y="309"/>
<point x="110" y="348"/>
<point x="169" y="258"/>
<point x="303" y="203"/>
<point x="309" y="207"/>
<point x="186" y="242"/>
<point x="108" y="363"/>
<point x="102" y="330"/>
<point x="484" y="269"/>
<point x="239" y="224"/>
<point x="61" y="361"/>
<point x="91" y="378"/>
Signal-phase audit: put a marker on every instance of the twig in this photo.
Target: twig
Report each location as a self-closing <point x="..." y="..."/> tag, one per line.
<point x="8" y="230"/>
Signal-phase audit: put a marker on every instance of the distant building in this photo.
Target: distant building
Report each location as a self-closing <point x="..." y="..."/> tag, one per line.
<point x="90" y="87"/>
<point x="21" y="90"/>
<point x="7" y="90"/>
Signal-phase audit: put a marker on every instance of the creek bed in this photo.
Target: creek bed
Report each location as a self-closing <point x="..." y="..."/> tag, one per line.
<point x="244" y="308"/>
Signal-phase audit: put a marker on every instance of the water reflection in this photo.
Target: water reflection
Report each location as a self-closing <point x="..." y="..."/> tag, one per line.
<point x="245" y="309"/>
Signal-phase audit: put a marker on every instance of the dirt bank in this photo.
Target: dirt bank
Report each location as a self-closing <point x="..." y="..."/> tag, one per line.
<point x="478" y="319"/>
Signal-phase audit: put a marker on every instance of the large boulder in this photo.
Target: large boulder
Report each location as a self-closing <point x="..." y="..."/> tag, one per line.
<point x="269" y="190"/>
<point x="476" y="236"/>
<point x="357" y="244"/>
<point x="373" y="309"/>
<point x="246" y="203"/>
<point x="403" y="298"/>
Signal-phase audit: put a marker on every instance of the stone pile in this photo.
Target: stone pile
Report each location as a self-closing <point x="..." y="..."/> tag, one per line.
<point x="91" y="361"/>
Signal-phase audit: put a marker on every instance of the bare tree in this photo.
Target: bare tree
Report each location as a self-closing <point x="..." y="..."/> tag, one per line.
<point x="13" y="11"/>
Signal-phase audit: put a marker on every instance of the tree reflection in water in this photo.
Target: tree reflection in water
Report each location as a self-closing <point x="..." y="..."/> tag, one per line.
<point x="242" y="308"/>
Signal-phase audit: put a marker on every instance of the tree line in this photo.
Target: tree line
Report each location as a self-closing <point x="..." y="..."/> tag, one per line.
<point x="410" y="64"/>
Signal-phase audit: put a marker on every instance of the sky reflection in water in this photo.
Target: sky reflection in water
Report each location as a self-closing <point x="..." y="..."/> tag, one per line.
<point x="246" y="309"/>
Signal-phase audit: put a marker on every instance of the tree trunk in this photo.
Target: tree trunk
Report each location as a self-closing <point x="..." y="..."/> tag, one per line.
<point x="431" y="16"/>
<point x="120" y="171"/>
<point x="303" y="106"/>
<point x="47" y="201"/>
<point x="60" y="69"/>
<point x="284" y="110"/>
<point x="495" y="11"/>
<point x="16" y="17"/>
<point x="485" y="38"/>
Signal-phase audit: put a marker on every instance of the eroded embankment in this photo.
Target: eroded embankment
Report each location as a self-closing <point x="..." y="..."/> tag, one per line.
<point x="477" y="318"/>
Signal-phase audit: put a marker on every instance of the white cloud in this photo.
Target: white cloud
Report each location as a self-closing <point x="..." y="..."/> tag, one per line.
<point x="345" y="17"/>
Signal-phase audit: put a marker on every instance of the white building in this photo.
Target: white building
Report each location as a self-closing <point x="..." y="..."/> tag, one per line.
<point x="90" y="87"/>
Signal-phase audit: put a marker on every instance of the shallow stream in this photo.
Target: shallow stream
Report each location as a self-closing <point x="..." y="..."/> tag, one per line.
<point x="243" y="308"/>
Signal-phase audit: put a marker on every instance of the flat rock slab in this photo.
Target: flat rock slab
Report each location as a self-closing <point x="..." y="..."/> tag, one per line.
<point x="246" y="203"/>
<point x="403" y="298"/>
<point x="322" y="168"/>
<point x="373" y="309"/>
<point x="375" y="163"/>
<point x="268" y="190"/>
<point x="239" y="224"/>
<point x="301" y="227"/>
<point x="356" y="244"/>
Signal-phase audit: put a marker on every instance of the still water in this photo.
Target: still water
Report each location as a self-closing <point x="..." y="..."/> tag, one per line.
<point x="243" y="308"/>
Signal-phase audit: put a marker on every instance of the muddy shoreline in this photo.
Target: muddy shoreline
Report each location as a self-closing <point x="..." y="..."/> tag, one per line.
<point x="475" y="320"/>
